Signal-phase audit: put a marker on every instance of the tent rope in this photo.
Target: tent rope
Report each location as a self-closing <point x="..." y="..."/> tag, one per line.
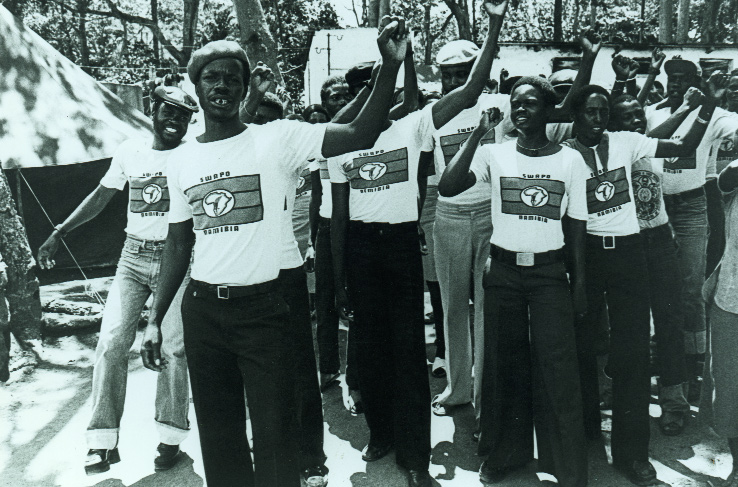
<point x="91" y="290"/>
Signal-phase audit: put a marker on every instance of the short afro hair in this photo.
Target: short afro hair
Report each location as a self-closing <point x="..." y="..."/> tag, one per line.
<point x="309" y="110"/>
<point x="271" y="100"/>
<point x="622" y="98"/>
<point x="332" y="81"/>
<point x="541" y="84"/>
<point x="580" y="97"/>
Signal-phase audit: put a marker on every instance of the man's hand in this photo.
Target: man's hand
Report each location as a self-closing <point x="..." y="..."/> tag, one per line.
<point x="693" y="98"/>
<point x="392" y="40"/>
<point x="620" y="64"/>
<point x="423" y="241"/>
<point x="504" y="74"/>
<point x="495" y="9"/>
<point x="490" y="119"/>
<point x="590" y="43"/>
<point x="309" y="264"/>
<point x="262" y="78"/>
<point x="151" y="348"/>
<point x="47" y="251"/>
<point x="657" y="58"/>
<point x="342" y="303"/>
<point x="717" y="85"/>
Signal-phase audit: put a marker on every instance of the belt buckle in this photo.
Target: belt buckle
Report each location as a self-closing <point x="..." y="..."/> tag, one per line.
<point x="605" y="240"/>
<point x="525" y="259"/>
<point x="223" y="292"/>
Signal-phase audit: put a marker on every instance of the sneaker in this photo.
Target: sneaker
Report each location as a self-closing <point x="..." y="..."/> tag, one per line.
<point x="99" y="461"/>
<point x="167" y="456"/>
<point x="315" y="476"/>
<point x="438" y="369"/>
<point x="438" y="408"/>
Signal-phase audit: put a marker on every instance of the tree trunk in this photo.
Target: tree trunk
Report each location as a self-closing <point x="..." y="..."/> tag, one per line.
<point x="462" y="19"/>
<point x="255" y="36"/>
<point x="125" y="42"/>
<point x="666" y="21"/>
<point x="575" y="24"/>
<point x="384" y="8"/>
<point x="709" y="19"/>
<point x="592" y="14"/>
<point x="22" y="291"/>
<point x="155" y="20"/>
<point x="428" y="35"/>
<point x="84" y="48"/>
<point x="189" y="28"/>
<point x="558" y="12"/>
<point x="682" y="35"/>
<point x="372" y="13"/>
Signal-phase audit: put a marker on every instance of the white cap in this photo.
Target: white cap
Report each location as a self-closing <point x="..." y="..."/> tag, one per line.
<point x="457" y="52"/>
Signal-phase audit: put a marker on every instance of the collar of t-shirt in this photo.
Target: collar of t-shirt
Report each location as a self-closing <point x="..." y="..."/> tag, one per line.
<point x="591" y="154"/>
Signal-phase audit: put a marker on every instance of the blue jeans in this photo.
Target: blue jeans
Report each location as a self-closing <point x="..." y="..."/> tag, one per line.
<point x="135" y="280"/>
<point x="688" y="216"/>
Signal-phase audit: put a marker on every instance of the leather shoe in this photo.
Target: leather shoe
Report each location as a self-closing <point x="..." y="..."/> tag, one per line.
<point x="99" y="461"/>
<point x="167" y="456"/>
<point x="372" y="453"/>
<point x="491" y="475"/>
<point x="639" y="472"/>
<point x="419" y="478"/>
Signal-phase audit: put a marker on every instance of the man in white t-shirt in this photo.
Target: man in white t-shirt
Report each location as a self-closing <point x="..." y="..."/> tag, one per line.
<point x="616" y="270"/>
<point x="229" y="190"/>
<point x="530" y="363"/>
<point x="142" y="165"/>
<point x="686" y="202"/>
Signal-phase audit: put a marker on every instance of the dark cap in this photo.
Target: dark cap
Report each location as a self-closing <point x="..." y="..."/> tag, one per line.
<point x="175" y="96"/>
<point x="678" y="64"/>
<point x="212" y="51"/>
<point x="359" y="72"/>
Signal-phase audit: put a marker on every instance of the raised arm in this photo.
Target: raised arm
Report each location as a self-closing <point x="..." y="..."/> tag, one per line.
<point x="692" y="99"/>
<point x="174" y="262"/>
<point x="262" y="80"/>
<point x="457" y="177"/>
<point x="410" y="99"/>
<point x="591" y="44"/>
<point x="363" y="131"/>
<point x="86" y="211"/>
<point x="657" y="59"/>
<point x="716" y="87"/>
<point x="461" y="98"/>
<point x="625" y="72"/>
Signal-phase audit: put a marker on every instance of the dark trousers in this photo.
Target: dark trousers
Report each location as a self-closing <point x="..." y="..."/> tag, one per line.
<point x="385" y="285"/>
<point x="619" y="277"/>
<point x="716" y="220"/>
<point x="308" y="401"/>
<point x="665" y="291"/>
<point x="530" y="372"/>
<point x="327" y="314"/>
<point x="231" y="345"/>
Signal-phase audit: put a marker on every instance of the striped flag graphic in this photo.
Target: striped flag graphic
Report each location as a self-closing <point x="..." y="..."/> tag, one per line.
<point x="538" y="197"/>
<point x="226" y="201"/>
<point x="148" y="194"/>
<point x="305" y="183"/>
<point x="450" y="144"/>
<point x="609" y="191"/>
<point x="324" y="174"/>
<point x="379" y="170"/>
<point x="681" y="162"/>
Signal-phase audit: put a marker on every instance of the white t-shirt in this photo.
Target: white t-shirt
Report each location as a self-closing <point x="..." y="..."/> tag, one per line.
<point x="686" y="173"/>
<point x="610" y="201"/>
<point x="234" y="190"/>
<point x="383" y="180"/>
<point x="144" y="169"/>
<point x="449" y="138"/>
<point x="291" y="256"/>
<point x="530" y="195"/>
<point x="647" y="176"/>
<point x="725" y="152"/>
<point x="326" y="202"/>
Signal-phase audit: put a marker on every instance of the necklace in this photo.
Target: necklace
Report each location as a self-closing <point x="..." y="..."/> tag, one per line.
<point x="533" y="151"/>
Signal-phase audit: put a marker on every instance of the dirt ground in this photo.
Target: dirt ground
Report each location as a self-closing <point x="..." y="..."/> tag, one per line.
<point x="44" y="412"/>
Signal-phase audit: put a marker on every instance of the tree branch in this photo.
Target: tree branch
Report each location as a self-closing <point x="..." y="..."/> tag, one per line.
<point x="443" y="27"/>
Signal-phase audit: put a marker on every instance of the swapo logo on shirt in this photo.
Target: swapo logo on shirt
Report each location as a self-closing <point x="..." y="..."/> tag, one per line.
<point x="378" y="170"/>
<point x="304" y="184"/>
<point x="647" y="192"/>
<point x="533" y="197"/>
<point x="450" y="144"/>
<point x="226" y="201"/>
<point x="608" y="191"/>
<point x="149" y="194"/>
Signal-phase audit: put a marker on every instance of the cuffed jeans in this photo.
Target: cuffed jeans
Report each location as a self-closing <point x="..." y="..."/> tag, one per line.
<point x="308" y="401"/>
<point x="462" y="248"/>
<point x="135" y="280"/>
<point x="385" y="286"/>
<point x="665" y="291"/>
<point x="327" y="314"/>
<point x="530" y="373"/>
<point x="620" y="276"/>
<point x="688" y="217"/>
<point x="234" y="344"/>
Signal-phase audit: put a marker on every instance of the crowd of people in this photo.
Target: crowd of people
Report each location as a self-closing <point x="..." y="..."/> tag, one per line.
<point x="570" y="215"/>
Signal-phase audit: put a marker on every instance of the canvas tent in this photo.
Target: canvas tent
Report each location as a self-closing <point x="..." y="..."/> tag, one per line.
<point x="58" y="129"/>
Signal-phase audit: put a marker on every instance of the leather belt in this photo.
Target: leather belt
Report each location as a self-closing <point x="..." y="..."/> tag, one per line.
<point x="685" y="195"/>
<point x="610" y="242"/>
<point x="233" y="292"/>
<point x="526" y="259"/>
